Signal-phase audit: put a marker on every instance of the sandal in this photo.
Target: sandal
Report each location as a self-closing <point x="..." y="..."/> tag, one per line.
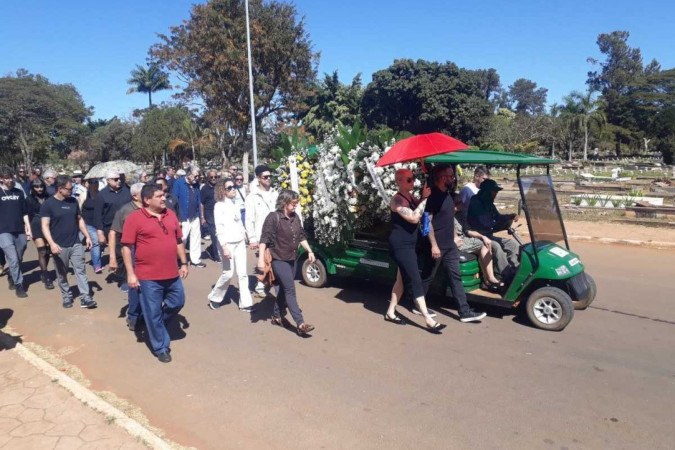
<point x="281" y="322"/>
<point x="396" y="319"/>
<point x="304" y="328"/>
<point x="436" y="328"/>
<point x="492" y="287"/>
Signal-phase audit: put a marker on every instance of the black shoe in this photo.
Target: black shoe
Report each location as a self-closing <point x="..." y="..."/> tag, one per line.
<point x="47" y="281"/>
<point x="164" y="357"/>
<point x="201" y="265"/>
<point x="214" y="305"/>
<point x="88" y="303"/>
<point x="20" y="291"/>
<point x="11" y="282"/>
<point x="67" y="303"/>
<point x="471" y="316"/>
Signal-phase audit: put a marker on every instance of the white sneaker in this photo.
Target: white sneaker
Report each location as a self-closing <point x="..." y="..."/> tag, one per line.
<point x="432" y="313"/>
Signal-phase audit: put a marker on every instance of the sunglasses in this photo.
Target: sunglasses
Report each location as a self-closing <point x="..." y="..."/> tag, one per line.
<point x="114" y="179"/>
<point x="212" y="177"/>
<point x="266" y="177"/>
<point x="39" y="186"/>
<point x="229" y="188"/>
<point x="161" y="224"/>
<point x="238" y="179"/>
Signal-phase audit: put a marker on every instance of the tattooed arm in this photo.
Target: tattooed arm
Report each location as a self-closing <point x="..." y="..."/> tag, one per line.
<point x="400" y="205"/>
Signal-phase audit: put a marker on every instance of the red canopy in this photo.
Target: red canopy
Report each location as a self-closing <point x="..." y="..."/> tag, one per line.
<point x="420" y="146"/>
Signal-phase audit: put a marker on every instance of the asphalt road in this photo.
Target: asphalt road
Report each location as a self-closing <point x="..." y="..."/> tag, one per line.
<point x="607" y="381"/>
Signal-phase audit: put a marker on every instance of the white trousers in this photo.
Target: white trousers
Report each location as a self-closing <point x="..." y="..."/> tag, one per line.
<point x="192" y="229"/>
<point x="237" y="263"/>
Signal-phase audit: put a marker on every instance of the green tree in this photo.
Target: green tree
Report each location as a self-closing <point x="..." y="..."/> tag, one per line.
<point x="422" y="96"/>
<point x="587" y="112"/>
<point x="525" y="98"/>
<point x="333" y="104"/>
<point x="621" y="69"/>
<point x="38" y="117"/>
<point x="208" y="53"/>
<point x="156" y="130"/>
<point x="112" y="141"/>
<point x="148" y="80"/>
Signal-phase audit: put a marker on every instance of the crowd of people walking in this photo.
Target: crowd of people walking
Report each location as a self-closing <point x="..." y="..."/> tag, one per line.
<point x="157" y="220"/>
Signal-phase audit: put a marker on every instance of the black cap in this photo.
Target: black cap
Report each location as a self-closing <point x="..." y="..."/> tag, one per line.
<point x="490" y="185"/>
<point x="261" y="169"/>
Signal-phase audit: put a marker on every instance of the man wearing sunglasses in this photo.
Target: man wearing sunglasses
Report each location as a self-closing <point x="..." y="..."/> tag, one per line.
<point x="207" y="207"/>
<point x="442" y="249"/>
<point x="108" y="201"/>
<point x="152" y="235"/>
<point x="50" y="178"/>
<point x="61" y="221"/>
<point x="259" y="204"/>
<point x="186" y="190"/>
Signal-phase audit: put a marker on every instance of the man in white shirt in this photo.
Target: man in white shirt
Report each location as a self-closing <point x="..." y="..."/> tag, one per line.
<point x="469" y="190"/>
<point x="259" y="204"/>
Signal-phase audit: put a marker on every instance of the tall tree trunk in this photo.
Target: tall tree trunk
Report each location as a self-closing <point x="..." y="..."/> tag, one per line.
<point x="569" y="155"/>
<point x="150" y="99"/>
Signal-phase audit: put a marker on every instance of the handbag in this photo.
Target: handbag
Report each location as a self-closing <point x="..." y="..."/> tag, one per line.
<point x="266" y="276"/>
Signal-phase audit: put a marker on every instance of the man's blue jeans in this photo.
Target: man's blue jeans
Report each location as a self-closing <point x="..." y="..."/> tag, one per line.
<point x="13" y="245"/>
<point x="160" y="302"/>
<point x="134" y="296"/>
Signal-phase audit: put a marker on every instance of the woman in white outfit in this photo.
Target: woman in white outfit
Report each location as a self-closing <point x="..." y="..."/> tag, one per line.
<point x="231" y="236"/>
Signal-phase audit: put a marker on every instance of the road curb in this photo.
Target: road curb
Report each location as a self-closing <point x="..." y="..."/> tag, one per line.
<point x="603" y="240"/>
<point x="86" y="396"/>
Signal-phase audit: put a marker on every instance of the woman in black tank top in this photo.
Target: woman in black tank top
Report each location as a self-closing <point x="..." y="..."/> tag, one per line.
<point x="406" y="213"/>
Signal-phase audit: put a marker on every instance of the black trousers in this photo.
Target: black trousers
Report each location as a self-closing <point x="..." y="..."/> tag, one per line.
<point x="450" y="261"/>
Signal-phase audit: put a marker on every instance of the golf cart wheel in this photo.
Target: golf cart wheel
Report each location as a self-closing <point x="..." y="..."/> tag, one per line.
<point x="550" y="308"/>
<point x="592" y="291"/>
<point x="314" y="274"/>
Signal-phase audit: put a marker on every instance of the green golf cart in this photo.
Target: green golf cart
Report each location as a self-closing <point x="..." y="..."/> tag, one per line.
<point x="550" y="281"/>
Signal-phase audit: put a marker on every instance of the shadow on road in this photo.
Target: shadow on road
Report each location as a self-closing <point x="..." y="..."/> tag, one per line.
<point x="7" y="341"/>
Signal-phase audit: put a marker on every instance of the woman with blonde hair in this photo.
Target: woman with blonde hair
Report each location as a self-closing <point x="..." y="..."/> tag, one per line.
<point x="406" y="213"/>
<point x="232" y="242"/>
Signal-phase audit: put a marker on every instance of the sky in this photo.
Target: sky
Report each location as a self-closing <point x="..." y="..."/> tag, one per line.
<point x="95" y="45"/>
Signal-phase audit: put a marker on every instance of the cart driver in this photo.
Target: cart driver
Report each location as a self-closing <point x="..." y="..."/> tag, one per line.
<point x="484" y="218"/>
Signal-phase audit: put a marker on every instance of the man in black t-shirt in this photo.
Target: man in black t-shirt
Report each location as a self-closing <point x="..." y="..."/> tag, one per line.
<point x="442" y="248"/>
<point x="14" y="229"/>
<point x="61" y="221"/>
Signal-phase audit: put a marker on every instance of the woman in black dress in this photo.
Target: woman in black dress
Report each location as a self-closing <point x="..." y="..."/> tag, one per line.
<point x="36" y="196"/>
<point x="406" y="213"/>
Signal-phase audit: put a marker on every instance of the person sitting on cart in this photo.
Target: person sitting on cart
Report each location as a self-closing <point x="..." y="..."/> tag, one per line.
<point x="484" y="218"/>
<point x="470" y="241"/>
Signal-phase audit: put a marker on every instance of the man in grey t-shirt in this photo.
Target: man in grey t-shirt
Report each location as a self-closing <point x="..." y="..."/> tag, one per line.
<point x="115" y="234"/>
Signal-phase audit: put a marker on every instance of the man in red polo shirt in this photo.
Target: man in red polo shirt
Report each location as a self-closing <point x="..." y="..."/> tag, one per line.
<point x="155" y="233"/>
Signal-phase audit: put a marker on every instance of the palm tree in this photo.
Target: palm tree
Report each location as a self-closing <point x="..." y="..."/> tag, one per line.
<point x="150" y="79"/>
<point x="588" y="110"/>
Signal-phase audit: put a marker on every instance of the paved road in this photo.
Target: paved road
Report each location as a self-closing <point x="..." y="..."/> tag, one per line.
<point x="608" y="380"/>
